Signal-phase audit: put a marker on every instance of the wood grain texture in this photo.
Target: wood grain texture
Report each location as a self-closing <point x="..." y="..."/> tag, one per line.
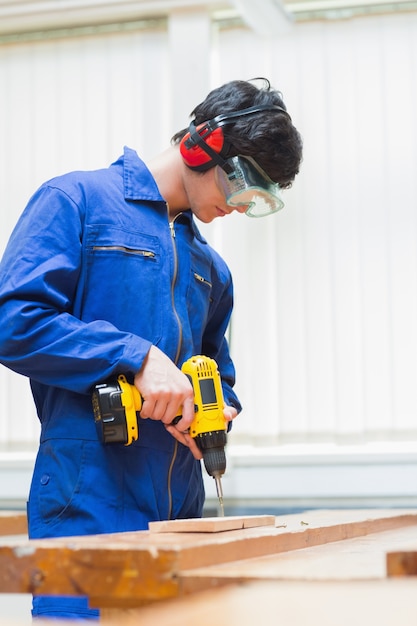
<point x="132" y="568"/>
<point x="211" y="524"/>
<point x="294" y="603"/>
<point x="13" y="523"/>
<point x="358" y="558"/>
<point x="402" y="563"/>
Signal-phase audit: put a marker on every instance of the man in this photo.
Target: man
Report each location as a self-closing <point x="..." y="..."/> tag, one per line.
<point x="107" y="273"/>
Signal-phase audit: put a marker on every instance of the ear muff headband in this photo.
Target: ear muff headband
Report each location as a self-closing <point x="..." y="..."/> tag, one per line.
<point x="204" y="146"/>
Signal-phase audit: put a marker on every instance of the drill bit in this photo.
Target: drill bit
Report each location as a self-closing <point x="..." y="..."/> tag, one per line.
<point x="219" y="489"/>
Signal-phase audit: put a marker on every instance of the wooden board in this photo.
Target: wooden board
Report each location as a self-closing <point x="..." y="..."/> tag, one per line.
<point x="296" y="603"/>
<point x="128" y="569"/>
<point x="359" y="558"/>
<point x="211" y="524"/>
<point x="13" y="523"/>
<point x="402" y="563"/>
<point x="293" y="603"/>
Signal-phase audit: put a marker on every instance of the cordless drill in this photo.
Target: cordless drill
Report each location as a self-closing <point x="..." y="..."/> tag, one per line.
<point x="117" y="406"/>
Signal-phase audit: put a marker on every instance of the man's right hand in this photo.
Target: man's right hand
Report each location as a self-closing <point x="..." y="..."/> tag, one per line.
<point x="166" y="391"/>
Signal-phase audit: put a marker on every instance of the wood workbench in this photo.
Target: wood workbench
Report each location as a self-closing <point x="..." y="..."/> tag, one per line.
<point x="13" y="523"/>
<point x="318" y="567"/>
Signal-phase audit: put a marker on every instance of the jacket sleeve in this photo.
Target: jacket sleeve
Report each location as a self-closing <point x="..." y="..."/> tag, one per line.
<point x="40" y="337"/>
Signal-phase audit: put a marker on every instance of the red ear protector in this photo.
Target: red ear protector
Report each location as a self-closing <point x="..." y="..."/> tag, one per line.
<point x="204" y="146"/>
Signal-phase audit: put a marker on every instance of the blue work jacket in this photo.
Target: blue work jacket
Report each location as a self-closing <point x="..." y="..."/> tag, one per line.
<point x="92" y="276"/>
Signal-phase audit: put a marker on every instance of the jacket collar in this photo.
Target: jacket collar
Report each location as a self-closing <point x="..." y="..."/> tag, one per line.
<point x="139" y="184"/>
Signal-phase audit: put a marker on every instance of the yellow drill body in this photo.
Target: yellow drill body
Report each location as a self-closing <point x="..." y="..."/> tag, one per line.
<point x="208" y="399"/>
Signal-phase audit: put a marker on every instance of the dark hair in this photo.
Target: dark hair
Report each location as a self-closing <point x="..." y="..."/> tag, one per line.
<point x="269" y="137"/>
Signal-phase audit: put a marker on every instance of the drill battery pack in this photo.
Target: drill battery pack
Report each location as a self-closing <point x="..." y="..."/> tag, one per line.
<point x="109" y="413"/>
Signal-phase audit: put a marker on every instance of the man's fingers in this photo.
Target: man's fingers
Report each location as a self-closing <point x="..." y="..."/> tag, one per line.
<point x="163" y="408"/>
<point x="187" y="415"/>
<point x="147" y="409"/>
<point x="186" y="440"/>
<point x="195" y="450"/>
<point x="229" y="413"/>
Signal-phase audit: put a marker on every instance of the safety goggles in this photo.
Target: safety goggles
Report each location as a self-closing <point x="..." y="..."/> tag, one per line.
<point x="246" y="184"/>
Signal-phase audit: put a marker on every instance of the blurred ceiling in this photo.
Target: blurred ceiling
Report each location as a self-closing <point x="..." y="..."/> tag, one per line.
<point x="19" y="17"/>
<point x="276" y="16"/>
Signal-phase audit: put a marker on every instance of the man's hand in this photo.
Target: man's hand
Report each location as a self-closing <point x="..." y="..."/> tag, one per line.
<point x="166" y="392"/>
<point x="229" y="413"/>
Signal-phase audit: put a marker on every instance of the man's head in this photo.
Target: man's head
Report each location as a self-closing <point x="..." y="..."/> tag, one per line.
<point x="263" y="132"/>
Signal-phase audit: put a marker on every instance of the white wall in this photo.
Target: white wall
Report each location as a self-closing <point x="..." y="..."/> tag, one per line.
<point x="324" y="333"/>
<point x="330" y="349"/>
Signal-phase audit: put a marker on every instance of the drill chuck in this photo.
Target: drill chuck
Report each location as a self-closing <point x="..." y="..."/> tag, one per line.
<point x="212" y="445"/>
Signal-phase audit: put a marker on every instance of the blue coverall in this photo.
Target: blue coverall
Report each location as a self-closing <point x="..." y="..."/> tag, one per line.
<point x="92" y="276"/>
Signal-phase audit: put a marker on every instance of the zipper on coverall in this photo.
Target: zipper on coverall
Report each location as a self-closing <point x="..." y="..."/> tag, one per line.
<point x="177" y="355"/>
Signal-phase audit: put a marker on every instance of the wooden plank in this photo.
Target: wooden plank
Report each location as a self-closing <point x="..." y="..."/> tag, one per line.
<point x="402" y="563"/>
<point x="298" y="603"/>
<point x="131" y="568"/>
<point x="211" y="524"/>
<point x="13" y="523"/>
<point x="359" y="558"/>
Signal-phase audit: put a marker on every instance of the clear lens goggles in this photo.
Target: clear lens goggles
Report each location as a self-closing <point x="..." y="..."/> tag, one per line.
<point x="248" y="185"/>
